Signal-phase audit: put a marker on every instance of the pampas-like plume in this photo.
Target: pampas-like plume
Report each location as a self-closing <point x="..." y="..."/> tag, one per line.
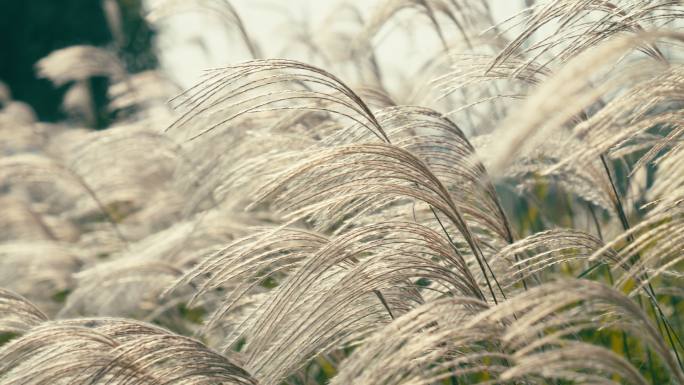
<point x="112" y="351"/>
<point x="457" y="338"/>
<point x="103" y="351"/>
<point x="240" y="90"/>
<point x="296" y="322"/>
<point x="544" y="250"/>
<point x="573" y="82"/>
<point x="18" y="314"/>
<point x="79" y="63"/>
<point x="573" y="34"/>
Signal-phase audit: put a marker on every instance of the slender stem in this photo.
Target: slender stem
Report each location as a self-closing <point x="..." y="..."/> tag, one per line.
<point x="453" y="246"/>
<point x="648" y="289"/>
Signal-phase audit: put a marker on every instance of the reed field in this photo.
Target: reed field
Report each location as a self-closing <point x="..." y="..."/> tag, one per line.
<point x="508" y="210"/>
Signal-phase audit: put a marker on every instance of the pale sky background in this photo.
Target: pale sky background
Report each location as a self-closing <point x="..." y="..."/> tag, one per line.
<point x="191" y="42"/>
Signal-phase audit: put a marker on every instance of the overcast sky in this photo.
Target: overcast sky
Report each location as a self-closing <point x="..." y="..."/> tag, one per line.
<point x="191" y="42"/>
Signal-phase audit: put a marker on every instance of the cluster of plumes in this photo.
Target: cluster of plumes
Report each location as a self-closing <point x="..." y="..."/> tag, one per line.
<point x="283" y="225"/>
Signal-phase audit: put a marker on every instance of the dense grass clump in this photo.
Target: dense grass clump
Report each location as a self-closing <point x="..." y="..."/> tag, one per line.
<point x="510" y="213"/>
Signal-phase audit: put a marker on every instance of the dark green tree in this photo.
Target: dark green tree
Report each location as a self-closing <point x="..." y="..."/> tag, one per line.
<point x="30" y="30"/>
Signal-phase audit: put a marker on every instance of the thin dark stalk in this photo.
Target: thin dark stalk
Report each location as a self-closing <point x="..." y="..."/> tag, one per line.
<point x="384" y="302"/>
<point x="625" y="345"/>
<point x="660" y="316"/>
<point x="453" y="246"/>
<point x="596" y="222"/>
